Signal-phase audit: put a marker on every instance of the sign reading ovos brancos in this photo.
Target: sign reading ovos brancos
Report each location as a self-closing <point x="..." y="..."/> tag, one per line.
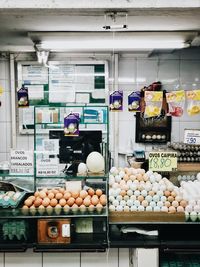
<point x="192" y="137"/>
<point x="21" y="162"/>
<point x="163" y="161"/>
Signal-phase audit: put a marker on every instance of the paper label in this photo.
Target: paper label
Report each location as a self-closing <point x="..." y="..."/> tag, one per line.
<point x="47" y="167"/>
<point x="192" y="136"/>
<point x="21" y="162"/>
<point x="162" y="161"/>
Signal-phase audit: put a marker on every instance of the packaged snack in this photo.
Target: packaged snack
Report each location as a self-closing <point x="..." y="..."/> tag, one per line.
<point x="134" y="101"/>
<point x="176" y="101"/>
<point x="22" y="97"/>
<point x="153" y="101"/>
<point x="193" y="98"/>
<point x="116" y="101"/>
<point x="71" y="124"/>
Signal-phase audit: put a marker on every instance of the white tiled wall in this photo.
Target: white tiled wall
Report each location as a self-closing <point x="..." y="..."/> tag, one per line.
<point x="172" y="69"/>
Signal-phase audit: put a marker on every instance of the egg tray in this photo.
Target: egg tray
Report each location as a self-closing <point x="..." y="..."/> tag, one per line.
<point x="145" y="216"/>
<point x="10" y="203"/>
<point x="61" y="211"/>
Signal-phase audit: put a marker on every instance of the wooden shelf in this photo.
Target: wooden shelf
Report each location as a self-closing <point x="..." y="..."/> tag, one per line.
<point x="188" y="167"/>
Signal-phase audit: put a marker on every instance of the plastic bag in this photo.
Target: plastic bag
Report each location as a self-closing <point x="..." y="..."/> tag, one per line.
<point x="153" y="102"/>
<point x="176" y="102"/>
<point x="193" y="99"/>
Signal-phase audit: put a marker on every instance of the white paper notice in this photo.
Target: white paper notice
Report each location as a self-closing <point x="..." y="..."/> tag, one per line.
<point x="84" y="78"/>
<point x="35" y="92"/>
<point x="34" y="74"/>
<point x="28" y="116"/>
<point x="21" y="162"/>
<point x="51" y="146"/>
<point x="47" y="167"/>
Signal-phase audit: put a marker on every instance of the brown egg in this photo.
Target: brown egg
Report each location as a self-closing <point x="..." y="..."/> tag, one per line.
<point x="122" y="182"/>
<point x="59" y="196"/>
<point x="58" y="209"/>
<point x="170" y="199"/>
<point x="49" y="210"/>
<point x="167" y="204"/>
<point x="180" y="209"/>
<point x="95" y="200"/>
<point x="46" y="202"/>
<point x="123" y="193"/>
<point x="183" y="203"/>
<point x="79" y="201"/>
<point x="145" y="177"/>
<point x="25" y="207"/>
<point x="55" y="191"/>
<point x="91" y="208"/>
<point x="67" y="195"/>
<point x="74" y="208"/>
<point x="41" y="207"/>
<point x="70" y="201"/>
<point x="83" y="194"/>
<point x="32" y="198"/>
<point x="172" y="209"/>
<point x="151" y="193"/>
<point x="62" y="202"/>
<point x="86" y="202"/>
<point x="28" y="202"/>
<point x="61" y="190"/>
<point x="167" y="193"/>
<point x="140" y="198"/>
<point x="139" y="177"/>
<point x="37" y="202"/>
<point x="173" y="194"/>
<point x="58" y="206"/>
<point x="99" y="207"/>
<point x="144" y="203"/>
<point x="132" y="177"/>
<point x="175" y="203"/>
<point x="36" y="194"/>
<point x="45" y="189"/>
<point x="42" y="194"/>
<point x="103" y="201"/>
<point x="53" y="202"/>
<point x="33" y="210"/>
<point x="75" y="194"/>
<point x="99" y="192"/>
<point x="91" y="191"/>
<point x="126" y="177"/>
<point x="66" y="208"/>
<point x="51" y="195"/>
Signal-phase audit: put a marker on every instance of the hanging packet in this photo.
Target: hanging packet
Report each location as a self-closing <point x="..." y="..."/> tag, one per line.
<point x="71" y="124"/>
<point x="176" y="102"/>
<point x="22" y="97"/>
<point x="153" y="101"/>
<point x="193" y="100"/>
<point x="134" y="101"/>
<point x="116" y="101"/>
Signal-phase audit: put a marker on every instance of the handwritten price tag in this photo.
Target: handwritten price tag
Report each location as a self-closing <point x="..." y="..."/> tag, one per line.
<point x="163" y="161"/>
<point x="192" y="137"/>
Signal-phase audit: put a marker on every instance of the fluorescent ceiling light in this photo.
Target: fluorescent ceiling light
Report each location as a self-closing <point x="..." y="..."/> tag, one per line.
<point x="107" y="41"/>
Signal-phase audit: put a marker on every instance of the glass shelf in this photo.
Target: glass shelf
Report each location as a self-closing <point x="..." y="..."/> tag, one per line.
<point x="16" y="175"/>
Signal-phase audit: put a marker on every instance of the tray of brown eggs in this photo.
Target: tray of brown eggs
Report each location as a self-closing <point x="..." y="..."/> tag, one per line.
<point x="58" y="201"/>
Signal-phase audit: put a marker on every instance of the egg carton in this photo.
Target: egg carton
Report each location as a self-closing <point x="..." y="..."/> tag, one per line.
<point x="11" y="199"/>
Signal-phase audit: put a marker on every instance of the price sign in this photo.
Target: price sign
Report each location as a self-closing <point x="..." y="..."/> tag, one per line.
<point x="47" y="167"/>
<point x="163" y="161"/>
<point x="192" y="137"/>
<point x="21" y="162"/>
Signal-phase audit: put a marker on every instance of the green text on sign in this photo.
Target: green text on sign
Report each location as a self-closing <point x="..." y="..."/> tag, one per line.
<point x="163" y="161"/>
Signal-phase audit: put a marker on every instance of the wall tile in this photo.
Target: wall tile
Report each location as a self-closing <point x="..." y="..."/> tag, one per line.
<point x="22" y="142"/>
<point x="127" y="76"/>
<point x="63" y="259"/>
<point x="147" y="257"/>
<point x="189" y="74"/>
<point x="3" y="156"/>
<point x="123" y="257"/>
<point x="3" y="136"/>
<point x="8" y="106"/>
<point x="175" y="133"/>
<point x="109" y="258"/>
<point x="28" y="258"/>
<point x="147" y="71"/>
<point x="1" y="259"/>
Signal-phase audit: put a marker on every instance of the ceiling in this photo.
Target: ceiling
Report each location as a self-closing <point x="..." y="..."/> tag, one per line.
<point x="15" y="24"/>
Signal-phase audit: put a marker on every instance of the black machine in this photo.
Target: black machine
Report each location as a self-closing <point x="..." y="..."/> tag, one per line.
<point x="75" y="149"/>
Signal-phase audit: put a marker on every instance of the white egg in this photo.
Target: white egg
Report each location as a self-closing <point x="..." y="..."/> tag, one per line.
<point x="137" y="193"/>
<point x="170" y="187"/>
<point x="164" y="208"/>
<point x="163" y="199"/>
<point x="156" y="208"/>
<point x="119" y="198"/>
<point x="149" y="208"/>
<point x="133" y="186"/>
<point x="149" y="173"/>
<point x="95" y="162"/>
<point x="114" y="170"/>
<point x="158" y="177"/>
<point x="126" y="209"/>
<point x="119" y="208"/>
<point x="117" y="191"/>
<point x="129" y="192"/>
<point x="163" y="187"/>
<point x="129" y="183"/>
<point x="152" y="204"/>
<point x="197" y="208"/>
<point x="193" y="216"/>
<point x="148" y="198"/>
<point x="188" y="208"/>
<point x="140" y="208"/>
<point x="126" y="197"/>
<point x="121" y="174"/>
<point x="160" y="193"/>
<point x="156" y="198"/>
<point x="160" y="204"/>
<point x="144" y="193"/>
<point x="152" y="179"/>
<point x="130" y="202"/>
<point x="134" y="208"/>
<point x="137" y="203"/>
<point x="111" y="179"/>
<point x="82" y="168"/>
<point x="111" y="192"/>
<point x="111" y="208"/>
<point x="123" y="203"/>
<point x="192" y="202"/>
<point x="148" y="187"/>
<point x="111" y="198"/>
<point x="115" y="185"/>
<point x="133" y="197"/>
<point x="117" y="178"/>
<point x="116" y="203"/>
